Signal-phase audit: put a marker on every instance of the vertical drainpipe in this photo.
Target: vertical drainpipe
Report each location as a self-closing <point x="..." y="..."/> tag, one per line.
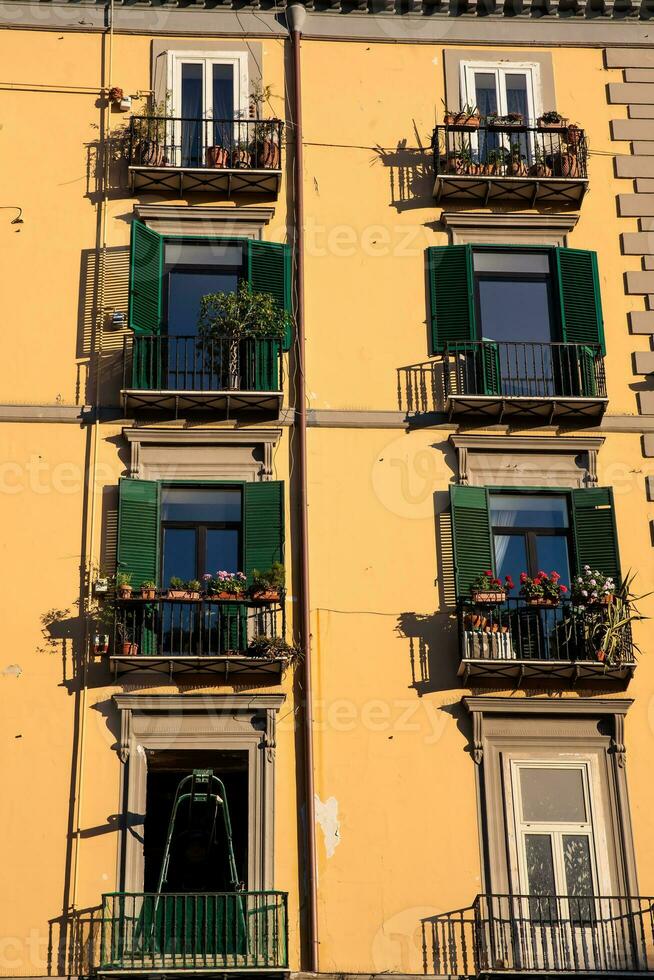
<point x="295" y="18"/>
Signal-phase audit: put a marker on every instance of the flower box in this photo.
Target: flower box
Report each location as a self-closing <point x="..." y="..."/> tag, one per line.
<point x="177" y="594"/>
<point x="542" y="601"/>
<point x="490" y="597"/>
<point x="560" y="124"/>
<point x="266" y="595"/>
<point x="463" y="119"/>
<point x="226" y="596"/>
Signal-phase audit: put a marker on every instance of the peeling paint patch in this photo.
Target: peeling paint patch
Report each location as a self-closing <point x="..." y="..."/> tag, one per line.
<point x="13" y="670"/>
<point x="327" y="820"/>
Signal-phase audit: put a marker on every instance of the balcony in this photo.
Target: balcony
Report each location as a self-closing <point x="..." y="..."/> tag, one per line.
<point x="186" y="373"/>
<point x="514" y="640"/>
<point x="195" y="933"/>
<point x="536" y="382"/>
<point x="184" y="155"/>
<point x="544" y="934"/>
<point x="523" y="166"/>
<point x="203" y="635"/>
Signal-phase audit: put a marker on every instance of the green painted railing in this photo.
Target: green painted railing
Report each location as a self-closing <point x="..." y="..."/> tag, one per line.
<point x="188" y="931"/>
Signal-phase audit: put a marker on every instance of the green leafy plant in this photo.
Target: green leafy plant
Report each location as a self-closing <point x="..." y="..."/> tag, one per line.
<point x="245" y="313"/>
<point x="177" y="584"/>
<point x="193" y="585"/>
<point x="608" y="629"/>
<point x="552" y="118"/>
<point x="148" y="585"/>
<point x="274" y="648"/>
<point x="123" y="579"/>
<point x="271" y="580"/>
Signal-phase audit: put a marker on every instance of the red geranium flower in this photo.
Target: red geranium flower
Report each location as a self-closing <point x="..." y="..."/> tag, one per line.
<point x="563" y="588"/>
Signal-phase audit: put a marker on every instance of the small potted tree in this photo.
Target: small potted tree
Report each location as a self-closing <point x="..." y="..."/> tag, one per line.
<point x="124" y="585"/>
<point x="542" y="589"/>
<point x="267" y="586"/>
<point x="235" y="317"/>
<point x="488" y="589"/>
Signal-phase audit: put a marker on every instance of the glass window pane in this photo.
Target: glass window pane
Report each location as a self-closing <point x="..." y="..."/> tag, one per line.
<point x="522" y="510"/>
<point x="201" y="504"/>
<point x="207" y="253"/>
<point x="191" y="112"/>
<point x="508" y="263"/>
<point x="516" y="94"/>
<point x="578" y="869"/>
<point x="185" y="292"/>
<point x="510" y="555"/>
<point x="179" y="554"/>
<point x="485" y="92"/>
<point x="540" y="864"/>
<point x="552" y="795"/>
<point x="223" y="91"/>
<point x="222" y="551"/>
<point x="516" y="310"/>
<point x="552" y="555"/>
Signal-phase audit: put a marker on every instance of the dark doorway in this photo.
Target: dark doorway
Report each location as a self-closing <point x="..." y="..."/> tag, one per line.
<point x="197" y="863"/>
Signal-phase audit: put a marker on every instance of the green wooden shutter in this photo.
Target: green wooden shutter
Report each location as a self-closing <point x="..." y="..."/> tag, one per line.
<point x="145" y="275"/>
<point x="489" y="368"/>
<point x="264" y="525"/>
<point x="138" y="529"/>
<point x="449" y="270"/>
<point x="265" y="373"/>
<point x="595" y="535"/>
<point x="473" y="547"/>
<point x="269" y="271"/>
<point x="579" y="294"/>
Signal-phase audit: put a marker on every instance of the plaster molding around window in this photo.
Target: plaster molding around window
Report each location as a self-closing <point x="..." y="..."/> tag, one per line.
<point x="182" y="219"/>
<point x="562" y="461"/>
<point x="453" y="59"/>
<point x="474" y="228"/>
<point x="202" y="454"/>
<point x="544" y="730"/>
<point x="211" y="722"/>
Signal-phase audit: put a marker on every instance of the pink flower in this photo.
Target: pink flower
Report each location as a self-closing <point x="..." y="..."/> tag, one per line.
<point x="563" y="588"/>
<point x="523" y="577"/>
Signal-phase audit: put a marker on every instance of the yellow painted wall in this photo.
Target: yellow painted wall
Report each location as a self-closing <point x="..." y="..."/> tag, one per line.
<point x="392" y="764"/>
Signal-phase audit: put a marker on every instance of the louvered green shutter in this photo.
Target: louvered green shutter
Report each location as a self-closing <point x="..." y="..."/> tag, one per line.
<point x="449" y="270"/>
<point x="490" y="375"/>
<point x="145" y="275"/>
<point x="269" y="271"/>
<point x="595" y="535"/>
<point x="138" y="529"/>
<point x="580" y="300"/>
<point x="473" y="547"/>
<point x="264" y="525"/>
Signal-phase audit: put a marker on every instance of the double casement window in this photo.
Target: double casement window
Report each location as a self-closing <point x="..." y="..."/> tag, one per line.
<point x="520" y="321"/>
<point x="184" y="529"/>
<point x="502" y="88"/>
<point x="512" y="531"/>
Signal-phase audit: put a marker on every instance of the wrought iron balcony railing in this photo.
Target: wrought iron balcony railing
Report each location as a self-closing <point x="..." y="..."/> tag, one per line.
<point x="516" y="637"/>
<point x="518" y="377"/>
<point x="554" y="934"/>
<point x="201" y="371"/>
<point x="197" y="628"/>
<point x="195" y="932"/>
<point x="528" y="162"/>
<point x="248" y="153"/>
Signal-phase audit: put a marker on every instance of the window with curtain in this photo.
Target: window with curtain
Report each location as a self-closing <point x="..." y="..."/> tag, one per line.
<point x="530" y="533"/>
<point x="201" y="532"/>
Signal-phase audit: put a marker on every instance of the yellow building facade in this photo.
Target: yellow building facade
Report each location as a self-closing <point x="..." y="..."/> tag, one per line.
<point x="451" y="217"/>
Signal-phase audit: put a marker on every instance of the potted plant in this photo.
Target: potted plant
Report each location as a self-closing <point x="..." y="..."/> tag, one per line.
<point x="517" y="165"/>
<point x="467" y="117"/>
<point x="225" y="585"/>
<point x="508" y="121"/>
<point x="592" y="588"/>
<point x="273" y="648"/>
<point x="152" y="145"/>
<point x="149" y="590"/>
<point x="550" y="120"/>
<point x="565" y="163"/>
<point x="542" y="589"/>
<point x="216" y="157"/>
<point x="267" y="586"/>
<point x="124" y="585"/>
<point x="234" y="317"/>
<point x="177" y="588"/>
<point x="573" y="137"/>
<point x="265" y="146"/>
<point x="540" y="166"/>
<point x="193" y="589"/>
<point x="496" y="162"/>
<point x="487" y="588"/>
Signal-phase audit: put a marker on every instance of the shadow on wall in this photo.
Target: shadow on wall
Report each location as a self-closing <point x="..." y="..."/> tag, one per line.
<point x="411" y="174"/>
<point x="74" y="941"/>
<point x="114" y="269"/>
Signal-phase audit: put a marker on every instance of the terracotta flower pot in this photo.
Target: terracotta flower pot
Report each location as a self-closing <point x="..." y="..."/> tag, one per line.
<point x="194" y="596"/>
<point x="539" y="170"/>
<point x="568" y="164"/>
<point x="266" y="595"/>
<point x="129" y="649"/>
<point x="573" y="136"/>
<point x="541" y="124"/>
<point x="177" y="594"/>
<point x="462" y="119"/>
<point x="540" y="601"/>
<point x="241" y="159"/>
<point x="216" y="157"/>
<point x="124" y="591"/>
<point x="267" y="156"/>
<point x="149" y="594"/>
<point x="490" y="596"/>
<point x="518" y="168"/>
<point x="474" y="621"/>
<point x="152" y="154"/>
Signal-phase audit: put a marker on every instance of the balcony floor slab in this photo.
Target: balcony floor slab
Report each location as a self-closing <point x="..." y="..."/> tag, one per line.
<point x="541" y="411"/>
<point x="522" y="191"/>
<point x="183" y="180"/>
<point x="577" y="671"/>
<point x="224" y="666"/>
<point x="226" y="403"/>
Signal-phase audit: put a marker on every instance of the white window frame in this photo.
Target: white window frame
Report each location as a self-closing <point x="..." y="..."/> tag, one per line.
<point x="501" y="69"/>
<point x="175" y="60"/>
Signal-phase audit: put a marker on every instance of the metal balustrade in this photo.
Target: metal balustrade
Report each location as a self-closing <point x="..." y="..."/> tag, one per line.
<point x="516" y="369"/>
<point x="194" y="932"/>
<point x="205" y="143"/>
<point x="553" y="934"/>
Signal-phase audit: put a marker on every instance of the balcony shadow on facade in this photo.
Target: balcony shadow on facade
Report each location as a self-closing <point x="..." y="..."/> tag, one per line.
<point x="74" y="940"/>
<point x="411" y="174"/>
